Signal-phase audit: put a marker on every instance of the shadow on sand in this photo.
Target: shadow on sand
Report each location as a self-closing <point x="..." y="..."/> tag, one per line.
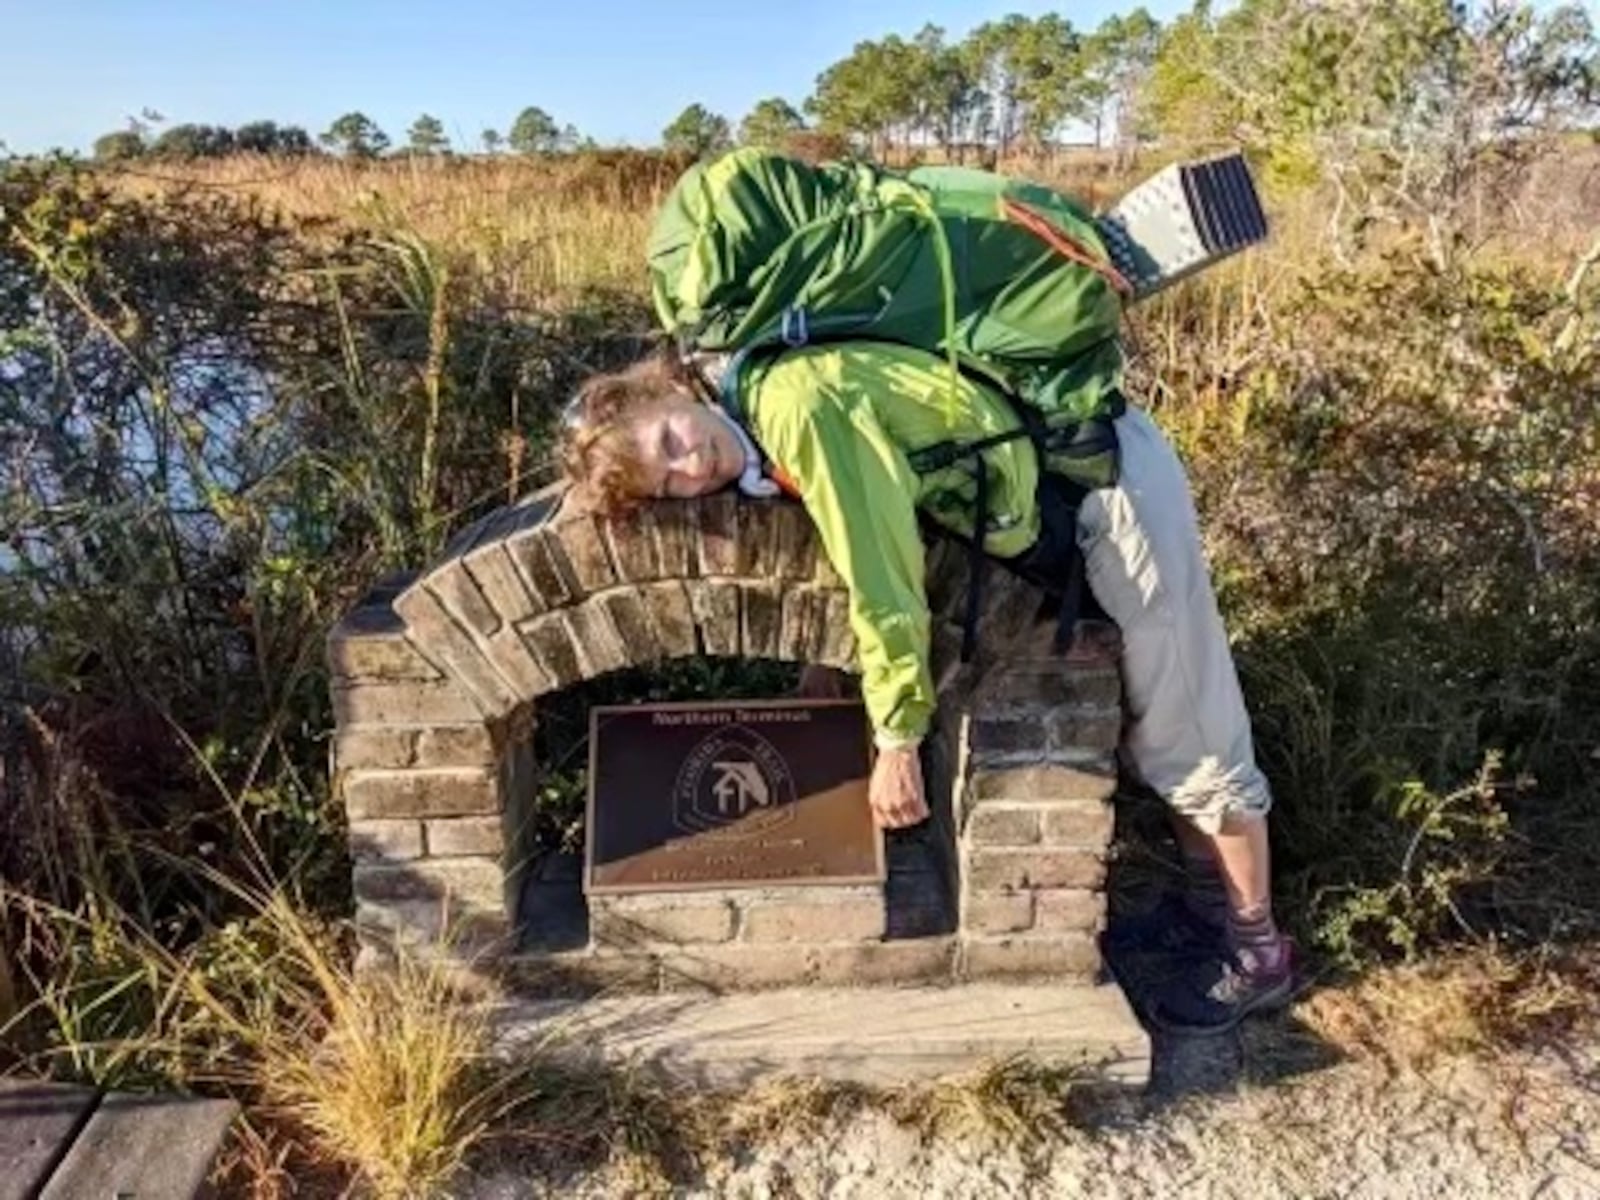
<point x="1262" y="1049"/>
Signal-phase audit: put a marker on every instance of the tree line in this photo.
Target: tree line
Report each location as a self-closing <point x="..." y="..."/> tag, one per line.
<point x="352" y="135"/>
<point x="1305" y="78"/>
<point x="1010" y="81"/>
<point x="357" y="136"/>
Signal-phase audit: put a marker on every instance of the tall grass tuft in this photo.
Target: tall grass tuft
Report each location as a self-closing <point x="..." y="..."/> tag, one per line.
<point x="389" y="1073"/>
<point x="539" y="232"/>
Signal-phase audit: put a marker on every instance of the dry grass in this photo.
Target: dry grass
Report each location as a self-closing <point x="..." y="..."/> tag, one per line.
<point x="389" y="1074"/>
<point x="550" y="226"/>
<point x="593" y="1116"/>
<point x="399" y="1086"/>
<point x="386" y="1078"/>
<point x="648" y="1134"/>
<point x="1476" y="1001"/>
<point x="537" y="231"/>
<point x="1013" y="1101"/>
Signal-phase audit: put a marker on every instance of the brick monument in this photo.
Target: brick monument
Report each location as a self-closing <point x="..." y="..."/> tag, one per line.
<point x="437" y="680"/>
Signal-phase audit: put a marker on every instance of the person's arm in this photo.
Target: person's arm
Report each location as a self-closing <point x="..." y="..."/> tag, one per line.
<point x="859" y="490"/>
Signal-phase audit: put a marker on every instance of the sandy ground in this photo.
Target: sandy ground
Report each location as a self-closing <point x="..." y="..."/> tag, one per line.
<point x="1289" y="1123"/>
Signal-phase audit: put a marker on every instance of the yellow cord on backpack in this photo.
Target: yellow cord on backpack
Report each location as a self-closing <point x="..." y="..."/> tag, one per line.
<point x="920" y="205"/>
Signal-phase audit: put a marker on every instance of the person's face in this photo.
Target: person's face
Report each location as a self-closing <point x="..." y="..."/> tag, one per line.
<point x="686" y="449"/>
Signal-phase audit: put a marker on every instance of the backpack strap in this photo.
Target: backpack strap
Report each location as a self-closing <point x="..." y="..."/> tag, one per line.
<point x="977" y="561"/>
<point x="1071" y="596"/>
<point x="1065" y="245"/>
<point x="1054" y="563"/>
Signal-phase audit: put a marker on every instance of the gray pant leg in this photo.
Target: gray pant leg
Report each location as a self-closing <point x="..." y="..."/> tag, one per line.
<point x="1188" y="733"/>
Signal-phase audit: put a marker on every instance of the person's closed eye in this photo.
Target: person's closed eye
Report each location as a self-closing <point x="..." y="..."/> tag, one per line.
<point x="667" y="451"/>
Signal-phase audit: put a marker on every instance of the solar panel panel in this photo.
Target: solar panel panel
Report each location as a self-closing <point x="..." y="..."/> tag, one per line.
<point x="1182" y="220"/>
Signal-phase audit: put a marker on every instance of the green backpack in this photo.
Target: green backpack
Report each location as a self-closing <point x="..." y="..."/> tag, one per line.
<point x="753" y="252"/>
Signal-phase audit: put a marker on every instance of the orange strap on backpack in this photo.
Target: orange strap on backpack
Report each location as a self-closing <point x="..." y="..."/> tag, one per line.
<point x="1063" y="244"/>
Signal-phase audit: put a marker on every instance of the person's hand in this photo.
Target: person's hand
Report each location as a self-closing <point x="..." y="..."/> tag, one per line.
<point x="820" y="683"/>
<point x="895" y="791"/>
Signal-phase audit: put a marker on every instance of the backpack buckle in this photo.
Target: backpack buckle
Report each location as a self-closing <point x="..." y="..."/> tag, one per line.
<point x="794" y="329"/>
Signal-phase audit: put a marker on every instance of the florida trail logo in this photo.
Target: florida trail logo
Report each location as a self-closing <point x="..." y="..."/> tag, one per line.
<point x="733" y="783"/>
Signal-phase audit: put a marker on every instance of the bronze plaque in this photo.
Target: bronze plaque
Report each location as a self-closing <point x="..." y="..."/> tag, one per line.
<point x="735" y="794"/>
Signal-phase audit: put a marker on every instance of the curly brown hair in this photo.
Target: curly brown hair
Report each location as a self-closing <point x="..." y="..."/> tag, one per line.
<point x="598" y="451"/>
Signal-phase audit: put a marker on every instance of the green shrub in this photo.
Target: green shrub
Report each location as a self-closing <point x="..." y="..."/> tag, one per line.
<point x="1404" y="512"/>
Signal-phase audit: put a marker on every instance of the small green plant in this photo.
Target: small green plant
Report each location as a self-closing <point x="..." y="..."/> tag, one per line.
<point x="1457" y="843"/>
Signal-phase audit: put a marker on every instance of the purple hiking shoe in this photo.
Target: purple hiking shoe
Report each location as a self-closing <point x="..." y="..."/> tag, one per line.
<point x="1223" y="991"/>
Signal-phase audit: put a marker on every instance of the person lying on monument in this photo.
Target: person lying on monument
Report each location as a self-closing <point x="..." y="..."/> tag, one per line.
<point x="868" y="434"/>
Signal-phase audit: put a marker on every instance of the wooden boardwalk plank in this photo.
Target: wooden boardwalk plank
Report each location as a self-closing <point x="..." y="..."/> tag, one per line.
<point x="37" y="1124"/>
<point x="143" y="1148"/>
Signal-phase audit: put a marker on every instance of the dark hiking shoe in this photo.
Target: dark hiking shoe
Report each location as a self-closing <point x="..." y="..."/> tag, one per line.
<point x="1170" y="929"/>
<point x="1220" y="993"/>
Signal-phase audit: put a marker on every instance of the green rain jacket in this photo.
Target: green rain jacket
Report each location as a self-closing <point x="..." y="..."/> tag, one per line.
<point x="839" y="419"/>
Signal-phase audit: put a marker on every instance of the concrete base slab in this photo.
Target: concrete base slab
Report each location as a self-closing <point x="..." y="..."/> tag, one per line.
<point x="866" y="1035"/>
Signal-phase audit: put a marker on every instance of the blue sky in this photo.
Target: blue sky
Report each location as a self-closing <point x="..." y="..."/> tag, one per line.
<point x="617" y="69"/>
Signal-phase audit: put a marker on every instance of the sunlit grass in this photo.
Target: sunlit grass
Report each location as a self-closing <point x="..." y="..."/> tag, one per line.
<point x="539" y="230"/>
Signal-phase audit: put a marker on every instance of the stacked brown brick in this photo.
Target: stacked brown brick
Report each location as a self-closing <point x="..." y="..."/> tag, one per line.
<point x="1036" y="817"/>
<point x="436" y="679"/>
<point x="1023" y="753"/>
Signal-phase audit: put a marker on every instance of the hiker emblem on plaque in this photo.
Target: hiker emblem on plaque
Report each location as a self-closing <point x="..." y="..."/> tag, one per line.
<point x="735" y="784"/>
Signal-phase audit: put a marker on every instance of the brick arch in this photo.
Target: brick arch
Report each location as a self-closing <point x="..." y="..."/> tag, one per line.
<point x="542" y="595"/>
<point x="436" y="678"/>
